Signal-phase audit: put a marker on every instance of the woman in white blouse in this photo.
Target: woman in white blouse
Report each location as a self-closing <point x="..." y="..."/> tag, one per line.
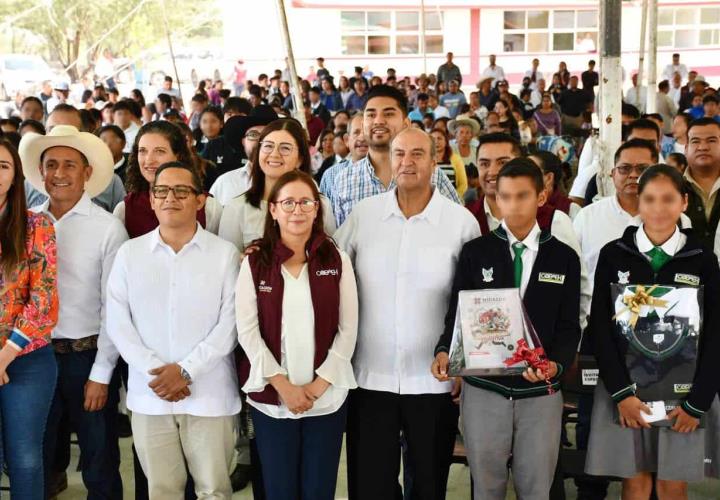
<point x="282" y="147"/>
<point x="297" y="313"/>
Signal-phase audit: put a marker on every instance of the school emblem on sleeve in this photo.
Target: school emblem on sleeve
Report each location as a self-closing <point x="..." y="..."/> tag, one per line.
<point x="623" y="277"/>
<point x="487" y="275"/>
<point x="218" y="160"/>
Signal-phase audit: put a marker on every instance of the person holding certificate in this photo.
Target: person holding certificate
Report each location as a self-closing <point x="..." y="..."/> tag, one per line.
<point x="518" y="417"/>
<point x="622" y="441"/>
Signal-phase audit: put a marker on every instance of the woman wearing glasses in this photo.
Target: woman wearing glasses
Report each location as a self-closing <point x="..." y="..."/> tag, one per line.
<point x="157" y="143"/>
<point x="297" y="369"/>
<point x="282" y="148"/>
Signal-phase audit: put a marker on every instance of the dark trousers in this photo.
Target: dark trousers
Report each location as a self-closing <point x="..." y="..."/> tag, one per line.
<point x="96" y="431"/>
<point x="428" y="423"/>
<point x="24" y="407"/>
<point x="300" y="457"/>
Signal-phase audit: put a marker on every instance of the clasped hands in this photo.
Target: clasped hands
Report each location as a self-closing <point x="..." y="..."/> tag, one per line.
<point x="299" y="398"/>
<point x="169" y="384"/>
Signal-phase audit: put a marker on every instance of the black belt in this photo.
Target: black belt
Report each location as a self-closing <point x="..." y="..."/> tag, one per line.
<point x="66" y="346"/>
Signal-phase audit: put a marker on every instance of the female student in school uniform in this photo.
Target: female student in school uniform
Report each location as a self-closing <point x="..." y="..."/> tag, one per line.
<point x="656" y="252"/>
<point x="297" y="315"/>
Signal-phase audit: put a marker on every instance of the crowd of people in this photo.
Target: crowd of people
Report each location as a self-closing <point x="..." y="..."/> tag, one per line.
<point x="252" y="291"/>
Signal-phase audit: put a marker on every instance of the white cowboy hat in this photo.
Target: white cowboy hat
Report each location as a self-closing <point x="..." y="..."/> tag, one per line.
<point x="464" y="122"/>
<point x="99" y="157"/>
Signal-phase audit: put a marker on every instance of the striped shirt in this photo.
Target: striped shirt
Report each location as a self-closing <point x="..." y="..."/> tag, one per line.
<point x="359" y="182"/>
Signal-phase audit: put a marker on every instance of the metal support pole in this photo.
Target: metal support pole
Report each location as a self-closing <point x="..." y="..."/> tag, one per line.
<point x="641" y="52"/>
<point x="610" y="92"/>
<point x="298" y="104"/>
<point x="422" y="35"/>
<point x="172" y="52"/>
<point x="651" y="105"/>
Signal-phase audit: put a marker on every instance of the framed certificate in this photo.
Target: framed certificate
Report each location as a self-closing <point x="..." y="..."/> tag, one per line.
<point x="488" y="326"/>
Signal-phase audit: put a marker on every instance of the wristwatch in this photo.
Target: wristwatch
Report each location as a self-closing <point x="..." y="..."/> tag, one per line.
<point x="184" y="374"/>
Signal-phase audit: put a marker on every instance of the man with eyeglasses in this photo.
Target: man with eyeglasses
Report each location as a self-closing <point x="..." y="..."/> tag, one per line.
<point x="241" y="131"/>
<point x="70" y="167"/>
<point x="171" y="315"/>
<point x="404" y="244"/>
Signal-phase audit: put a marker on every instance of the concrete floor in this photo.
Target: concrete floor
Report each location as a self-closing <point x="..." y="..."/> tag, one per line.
<point x="458" y="484"/>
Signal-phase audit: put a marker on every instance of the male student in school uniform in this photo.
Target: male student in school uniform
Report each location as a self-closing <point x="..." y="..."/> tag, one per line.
<point x="518" y="417"/>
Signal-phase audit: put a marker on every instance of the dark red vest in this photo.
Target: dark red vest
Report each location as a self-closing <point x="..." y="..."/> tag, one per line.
<point x="269" y="286"/>
<point x="140" y="218"/>
<point x="477" y="208"/>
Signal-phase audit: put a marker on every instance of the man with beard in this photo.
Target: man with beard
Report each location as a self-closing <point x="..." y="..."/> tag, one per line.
<point x="384" y="116"/>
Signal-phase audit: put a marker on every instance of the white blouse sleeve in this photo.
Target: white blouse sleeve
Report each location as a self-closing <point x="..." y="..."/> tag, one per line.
<point x="213" y="213"/>
<point x="263" y="364"/>
<point x="337" y="367"/>
<point x="119" y="211"/>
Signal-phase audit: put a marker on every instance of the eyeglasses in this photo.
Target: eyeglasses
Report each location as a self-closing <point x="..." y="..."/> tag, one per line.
<point x="180" y="192"/>
<point x="284" y="148"/>
<point x="253" y="135"/>
<point x="626" y="168"/>
<point x="288" y="205"/>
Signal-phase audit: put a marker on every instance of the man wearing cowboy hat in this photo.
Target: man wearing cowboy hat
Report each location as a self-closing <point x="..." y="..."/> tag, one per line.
<point x="70" y="167"/>
<point x="241" y="132"/>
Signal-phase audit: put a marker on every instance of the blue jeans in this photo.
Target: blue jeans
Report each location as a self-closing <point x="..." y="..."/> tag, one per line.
<point x="96" y="431"/>
<point x="300" y="457"/>
<point x="24" y="407"/>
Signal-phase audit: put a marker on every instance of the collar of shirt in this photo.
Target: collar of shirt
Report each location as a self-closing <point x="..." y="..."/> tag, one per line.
<point x="700" y="190"/>
<point x="431" y="212"/>
<point x="199" y="240"/>
<point x="119" y="163"/>
<point x="670" y="247"/>
<point x="531" y="241"/>
<point x="493" y="222"/>
<point x="82" y="207"/>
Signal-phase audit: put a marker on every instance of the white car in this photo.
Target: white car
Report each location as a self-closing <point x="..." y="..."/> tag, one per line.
<point x="22" y="73"/>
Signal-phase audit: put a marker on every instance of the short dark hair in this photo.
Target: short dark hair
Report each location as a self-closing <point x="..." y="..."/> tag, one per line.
<point x="702" y="122"/>
<point x="200" y="98"/>
<point x="643" y="124"/>
<point x="711" y="98"/>
<point x="122" y="105"/>
<point x="523" y="167"/>
<point x="392" y="93"/>
<point x="637" y="144"/>
<point x="165" y="99"/>
<point x="238" y="105"/>
<point x="197" y="183"/>
<point x="630" y="110"/>
<point x="168" y="78"/>
<point x="422" y="96"/>
<point x="316" y="90"/>
<point x="31" y="98"/>
<point x="33" y="124"/>
<point x="663" y="85"/>
<point x="662" y="170"/>
<point x="680" y="158"/>
<point x="654" y="116"/>
<point x="592" y="61"/>
<point x="113" y="129"/>
<point x="500" y="138"/>
<point x="471" y="171"/>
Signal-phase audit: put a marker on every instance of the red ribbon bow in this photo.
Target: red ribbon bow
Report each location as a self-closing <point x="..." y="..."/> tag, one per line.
<point x="535" y="358"/>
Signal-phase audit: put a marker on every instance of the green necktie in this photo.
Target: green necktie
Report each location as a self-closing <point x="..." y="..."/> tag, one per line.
<point x="518" y="249"/>
<point x="658" y="258"/>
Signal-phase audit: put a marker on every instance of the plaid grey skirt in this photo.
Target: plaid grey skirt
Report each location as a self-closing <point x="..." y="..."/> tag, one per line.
<point x="624" y="452"/>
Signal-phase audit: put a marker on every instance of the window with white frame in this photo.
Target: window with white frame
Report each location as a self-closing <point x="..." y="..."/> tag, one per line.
<point x="550" y="30"/>
<point x="390" y="32"/>
<point x="688" y="27"/>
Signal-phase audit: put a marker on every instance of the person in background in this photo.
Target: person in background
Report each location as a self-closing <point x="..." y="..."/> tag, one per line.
<point x="453" y="99"/>
<point x="123" y="117"/>
<point x="665" y="106"/>
<point x="323" y="151"/>
<point x="465" y="132"/>
<point x="31" y="108"/>
<point x="114" y="139"/>
<point x="675" y="67"/>
<point x="31" y="126"/>
<point x="474" y="189"/>
<point x="211" y="125"/>
<point x="330" y="97"/>
<point x="448" y="71"/>
<point x="29" y="299"/>
<point x="548" y="120"/>
<point x="677" y="161"/>
<point x="590" y="79"/>
<point x="493" y="71"/>
<point x="711" y="106"/>
<point x="450" y="162"/>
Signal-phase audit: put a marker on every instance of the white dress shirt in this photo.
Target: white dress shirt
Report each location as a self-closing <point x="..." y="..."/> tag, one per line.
<point x="242" y="223"/>
<point x="231" y="184"/>
<point x="496" y="73"/>
<point x="166" y="307"/>
<point x="538" y="76"/>
<point x="87" y="238"/>
<point x="532" y="245"/>
<point x="213" y="213"/>
<point x="671" y="69"/>
<point x="633" y="94"/>
<point x="298" y="340"/>
<point x="130" y="134"/>
<point x="404" y="269"/>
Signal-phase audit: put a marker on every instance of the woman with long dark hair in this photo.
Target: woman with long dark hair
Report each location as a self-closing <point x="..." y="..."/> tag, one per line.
<point x="282" y="147"/>
<point x="449" y="161"/>
<point x="156" y="143"/>
<point x="297" y="370"/>
<point x="28" y="313"/>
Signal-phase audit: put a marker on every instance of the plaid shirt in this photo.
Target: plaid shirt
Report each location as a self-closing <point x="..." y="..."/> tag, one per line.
<point x="327" y="183"/>
<point x="359" y="182"/>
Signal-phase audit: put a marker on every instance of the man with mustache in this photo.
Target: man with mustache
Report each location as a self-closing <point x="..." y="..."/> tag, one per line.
<point x="703" y="177"/>
<point x="384" y="116"/>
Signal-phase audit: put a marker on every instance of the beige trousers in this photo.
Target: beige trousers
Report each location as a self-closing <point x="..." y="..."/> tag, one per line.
<point x="164" y="443"/>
